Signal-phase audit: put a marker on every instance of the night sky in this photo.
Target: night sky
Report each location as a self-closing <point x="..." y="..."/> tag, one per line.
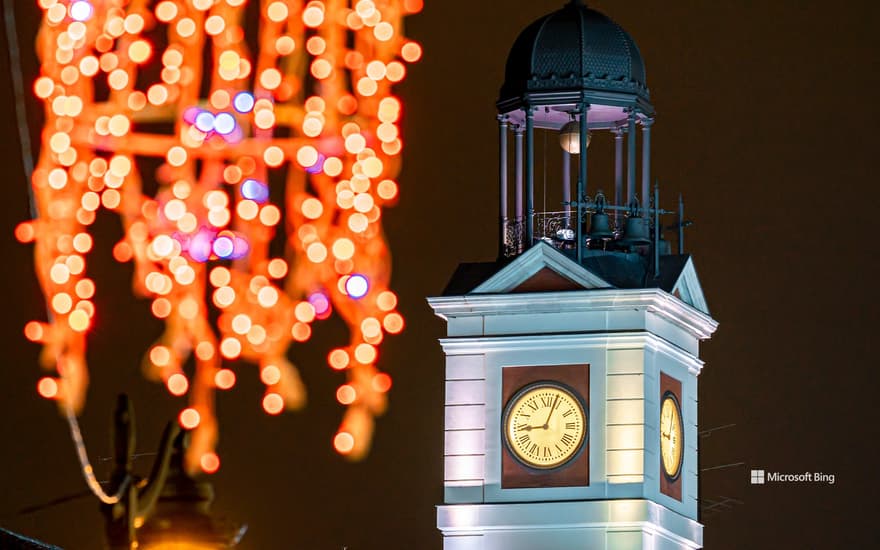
<point x="767" y="122"/>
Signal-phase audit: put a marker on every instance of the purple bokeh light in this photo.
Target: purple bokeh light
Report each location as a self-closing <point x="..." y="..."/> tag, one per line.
<point x="321" y="304"/>
<point x="205" y="121"/>
<point x="243" y="102"/>
<point x="357" y="286"/>
<point x="224" y="247"/>
<point x="255" y="190"/>
<point x="318" y="166"/>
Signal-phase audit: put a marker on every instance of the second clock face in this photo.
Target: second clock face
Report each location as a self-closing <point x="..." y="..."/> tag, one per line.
<point x="544" y="425"/>
<point x="671" y="440"/>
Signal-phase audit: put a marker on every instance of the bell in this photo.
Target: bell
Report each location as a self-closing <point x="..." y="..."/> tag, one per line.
<point x="600" y="226"/>
<point x="635" y="233"/>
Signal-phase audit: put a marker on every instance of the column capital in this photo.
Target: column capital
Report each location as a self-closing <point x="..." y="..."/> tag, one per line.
<point x="618" y="131"/>
<point x="503" y="119"/>
<point x="647" y="122"/>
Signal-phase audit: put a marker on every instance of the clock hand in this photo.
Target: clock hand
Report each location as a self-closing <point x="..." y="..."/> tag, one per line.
<point x="549" y="416"/>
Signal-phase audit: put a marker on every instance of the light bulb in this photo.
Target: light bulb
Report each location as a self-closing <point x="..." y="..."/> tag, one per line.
<point x="570" y="137"/>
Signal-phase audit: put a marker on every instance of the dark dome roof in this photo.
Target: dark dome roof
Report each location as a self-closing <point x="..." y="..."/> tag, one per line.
<point x="574" y="49"/>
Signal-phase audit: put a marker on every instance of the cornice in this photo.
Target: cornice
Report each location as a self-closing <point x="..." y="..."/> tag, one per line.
<point x="652" y="300"/>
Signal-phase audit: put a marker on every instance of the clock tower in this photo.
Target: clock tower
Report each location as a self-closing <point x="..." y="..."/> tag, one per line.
<point x="572" y="359"/>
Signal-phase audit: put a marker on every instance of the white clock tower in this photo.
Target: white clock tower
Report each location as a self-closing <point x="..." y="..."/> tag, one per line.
<point x="572" y="360"/>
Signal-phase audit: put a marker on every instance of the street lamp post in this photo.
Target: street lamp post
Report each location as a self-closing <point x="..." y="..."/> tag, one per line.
<point x="169" y="510"/>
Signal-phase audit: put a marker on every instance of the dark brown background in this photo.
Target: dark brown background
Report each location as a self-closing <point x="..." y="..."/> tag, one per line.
<point x="767" y="121"/>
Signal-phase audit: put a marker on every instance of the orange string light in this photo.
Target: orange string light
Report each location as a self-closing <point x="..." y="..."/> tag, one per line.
<point x="300" y="136"/>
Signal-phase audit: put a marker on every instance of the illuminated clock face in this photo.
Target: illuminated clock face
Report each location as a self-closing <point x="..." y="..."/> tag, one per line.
<point x="544" y="425"/>
<point x="671" y="437"/>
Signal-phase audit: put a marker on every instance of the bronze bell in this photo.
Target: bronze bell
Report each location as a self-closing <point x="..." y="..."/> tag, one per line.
<point x="635" y="233"/>
<point x="600" y="226"/>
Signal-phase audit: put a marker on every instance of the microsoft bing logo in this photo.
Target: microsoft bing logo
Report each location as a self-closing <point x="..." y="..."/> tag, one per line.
<point x="762" y="477"/>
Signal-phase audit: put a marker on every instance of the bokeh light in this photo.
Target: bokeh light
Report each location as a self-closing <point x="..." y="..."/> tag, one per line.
<point x="300" y="138"/>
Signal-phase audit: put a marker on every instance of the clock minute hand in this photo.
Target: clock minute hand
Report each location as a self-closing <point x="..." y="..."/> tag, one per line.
<point x="549" y="416"/>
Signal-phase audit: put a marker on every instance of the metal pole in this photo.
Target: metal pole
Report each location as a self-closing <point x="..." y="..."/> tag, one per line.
<point x="502" y="183"/>
<point x="566" y="185"/>
<point x="518" y="167"/>
<point x="582" y="180"/>
<point x="646" y="163"/>
<point x="680" y="224"/>
<point x="618" y="170"/>
<point x="656" y="230"/>
<point x="530" y="176"/>
<point x="631" y="170"/>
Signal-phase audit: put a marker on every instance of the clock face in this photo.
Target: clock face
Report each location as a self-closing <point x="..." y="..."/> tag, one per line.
<point x="544" y="425"/>
<point x="671" y="436"/>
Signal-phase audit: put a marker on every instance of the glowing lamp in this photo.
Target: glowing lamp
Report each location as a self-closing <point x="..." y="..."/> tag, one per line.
<point x="223" y="247"/>
<point x="240" y="248"/>
<point x="191" y="114"/>
<point x="570" y="137"/>
<point x="187" y="111"/>
<point x="243" y="102"/>
<point x="318" y="166"/>
<point x="199" y="246"/>
<point x="255" y="191"/>
<point x="357" y="286"/>
<point x="80" y="11"/>
<point x="180" y="519"/>
<point x="205" y="121"/>
<point x="224" y="124"/>
<point x="321" y="304"/>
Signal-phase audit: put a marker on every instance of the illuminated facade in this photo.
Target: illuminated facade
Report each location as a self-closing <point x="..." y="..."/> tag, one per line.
<point x="572" y="360"/>
<point x="208" y="138"/>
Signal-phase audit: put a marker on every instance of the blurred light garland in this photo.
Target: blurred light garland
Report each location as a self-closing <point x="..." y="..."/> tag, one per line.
<point x="308" y="121"/>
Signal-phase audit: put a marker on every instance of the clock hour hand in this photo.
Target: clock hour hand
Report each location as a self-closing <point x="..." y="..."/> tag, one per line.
<point x="529" y="427"/>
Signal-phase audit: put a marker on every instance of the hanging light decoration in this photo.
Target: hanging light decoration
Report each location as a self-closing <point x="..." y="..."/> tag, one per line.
<point x="300" y="136"/>
<point x="570" y="137"/>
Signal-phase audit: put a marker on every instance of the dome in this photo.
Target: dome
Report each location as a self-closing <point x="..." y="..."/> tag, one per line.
<point x="575" y="49"/>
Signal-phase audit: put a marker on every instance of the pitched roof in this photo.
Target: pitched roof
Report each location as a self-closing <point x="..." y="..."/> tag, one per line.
<point x="544" y="268"/>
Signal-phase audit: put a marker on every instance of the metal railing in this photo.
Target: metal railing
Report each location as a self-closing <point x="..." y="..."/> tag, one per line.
<point x="555" y="228"/>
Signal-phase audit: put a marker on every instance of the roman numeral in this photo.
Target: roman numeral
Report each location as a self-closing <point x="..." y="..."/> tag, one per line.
<point x="546" y="451"/>
<point x="567" y="413"/>
<point x="571" y="425"/>
<point x="567" y="439"/>
<point x="524" y="439"/>
<point x="532" y="406"/>
<point x="533" y="448"/>
<point x="546" y="401"/>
